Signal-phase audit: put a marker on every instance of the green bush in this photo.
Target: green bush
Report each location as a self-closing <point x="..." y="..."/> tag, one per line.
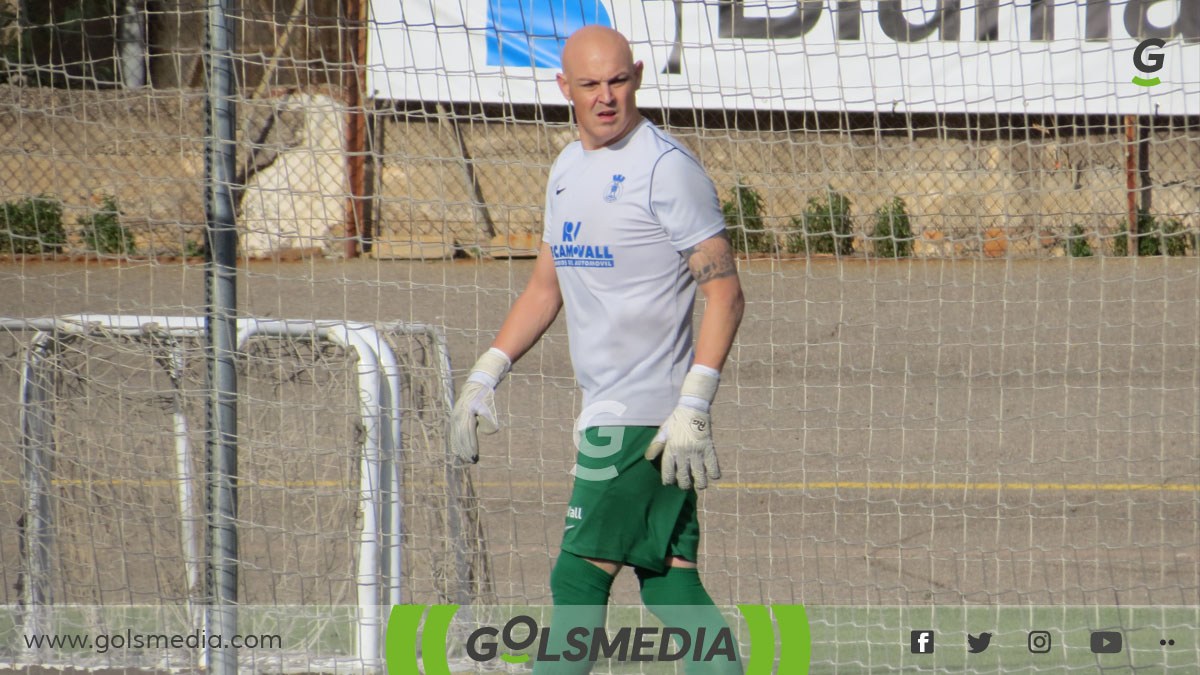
<point x="1077" y="243"/>
<point x="1156" y="237"/>
<point x="103" y="231"/>
<point x="825" y="226"/>
<point x="1149" y="240"/>
<point x="892" y="232"/>
<point x="32" y="225"/>
<point x="1121" y="243"/>
<point x="193" y="249"/>
<point x="744" y="220"/>
<point x="795" y="241"/>
<point x="1175" y="239"/>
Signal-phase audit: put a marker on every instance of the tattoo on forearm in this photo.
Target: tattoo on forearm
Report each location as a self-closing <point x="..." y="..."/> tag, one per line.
<point x="710" y="259"/>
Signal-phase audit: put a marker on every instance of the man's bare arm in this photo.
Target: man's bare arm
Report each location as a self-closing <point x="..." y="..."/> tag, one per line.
<point x="534" y="310"/>
<point x="710" y="260"/>
<point x="713" y="267"/>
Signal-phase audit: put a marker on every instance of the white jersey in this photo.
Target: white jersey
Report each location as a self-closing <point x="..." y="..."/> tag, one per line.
<point x="616" y="220"/>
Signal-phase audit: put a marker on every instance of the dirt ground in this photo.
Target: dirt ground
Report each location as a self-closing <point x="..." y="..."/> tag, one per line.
<point x="912" y="432"/>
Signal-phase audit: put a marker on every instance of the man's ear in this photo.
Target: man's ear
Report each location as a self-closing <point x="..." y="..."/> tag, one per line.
<point x="564" y="87"/>
<point x="637" y="75"/>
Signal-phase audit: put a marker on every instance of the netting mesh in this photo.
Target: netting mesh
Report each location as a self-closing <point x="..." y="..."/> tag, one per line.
<point x="1004" y="414"/>
<point x="427" y="177"/>
<point x="120" y="463"/>
<point x="127" y="411"/>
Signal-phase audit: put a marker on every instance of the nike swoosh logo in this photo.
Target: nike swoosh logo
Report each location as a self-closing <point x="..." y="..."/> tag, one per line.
<point x="558" y="190"/>
<point x="567" y="528"/>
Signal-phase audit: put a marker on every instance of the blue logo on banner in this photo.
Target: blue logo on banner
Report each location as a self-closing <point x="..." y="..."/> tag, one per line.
<point x="530" y="33"/>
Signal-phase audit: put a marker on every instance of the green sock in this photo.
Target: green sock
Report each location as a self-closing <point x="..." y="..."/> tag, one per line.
<point x="679" y="600"/>
<point x="580" y="591"/>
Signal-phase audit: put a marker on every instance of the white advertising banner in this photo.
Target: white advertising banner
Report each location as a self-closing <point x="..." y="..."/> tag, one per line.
<point x="979" y="56"/>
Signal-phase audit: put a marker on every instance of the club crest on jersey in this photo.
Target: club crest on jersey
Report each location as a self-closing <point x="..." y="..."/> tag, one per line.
<point x="614" y="188"/>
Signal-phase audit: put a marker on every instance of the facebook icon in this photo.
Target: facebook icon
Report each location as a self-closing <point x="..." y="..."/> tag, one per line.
<point x="922" y="641"/>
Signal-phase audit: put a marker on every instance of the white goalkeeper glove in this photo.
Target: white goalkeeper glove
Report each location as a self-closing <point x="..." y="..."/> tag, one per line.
<point x="476" y="406"/>
<point x="685" y="439"/>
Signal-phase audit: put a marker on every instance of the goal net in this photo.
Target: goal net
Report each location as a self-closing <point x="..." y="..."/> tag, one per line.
<point x="340" y="455"/>
<point x="964" y="396"/>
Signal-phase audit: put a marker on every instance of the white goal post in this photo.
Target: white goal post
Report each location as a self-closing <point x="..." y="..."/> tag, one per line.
<point x="380" y="388"/>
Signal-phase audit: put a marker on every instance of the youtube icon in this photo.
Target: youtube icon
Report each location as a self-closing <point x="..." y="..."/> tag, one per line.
<point x="1106" y="642"/>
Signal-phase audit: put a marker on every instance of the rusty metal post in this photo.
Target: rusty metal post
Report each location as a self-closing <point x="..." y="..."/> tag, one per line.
<point x="1144" y="184"/>
<point x="356" y="126"/>
<point x="1131" y="180"/>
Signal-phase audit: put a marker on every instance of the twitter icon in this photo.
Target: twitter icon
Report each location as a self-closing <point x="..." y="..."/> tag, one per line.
<point x="978" y="644"/>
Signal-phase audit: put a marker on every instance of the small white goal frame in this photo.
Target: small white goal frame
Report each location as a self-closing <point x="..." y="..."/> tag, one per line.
<point x="378" y="572"/>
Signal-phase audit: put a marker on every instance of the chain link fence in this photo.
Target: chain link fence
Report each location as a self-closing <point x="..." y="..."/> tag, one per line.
<point x="117" y="161"/>
<point x="946" y="432"/>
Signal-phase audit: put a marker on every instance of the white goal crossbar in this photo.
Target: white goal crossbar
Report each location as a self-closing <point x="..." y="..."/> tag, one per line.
<point x="378" y="573"/>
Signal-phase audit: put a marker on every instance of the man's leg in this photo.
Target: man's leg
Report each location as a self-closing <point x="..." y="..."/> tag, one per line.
<point x="580" y="587"/>
<point x="679" y="600"/>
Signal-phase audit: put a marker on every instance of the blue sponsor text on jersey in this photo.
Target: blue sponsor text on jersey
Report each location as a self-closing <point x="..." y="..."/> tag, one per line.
<point x="579" y="255"/>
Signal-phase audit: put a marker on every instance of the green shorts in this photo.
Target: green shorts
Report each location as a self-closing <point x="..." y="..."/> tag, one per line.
<point x="619" y="508"/>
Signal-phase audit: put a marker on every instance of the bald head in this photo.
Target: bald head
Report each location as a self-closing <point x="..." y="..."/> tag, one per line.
<point x="592" y="43"/>
<point x="600" y="79"/>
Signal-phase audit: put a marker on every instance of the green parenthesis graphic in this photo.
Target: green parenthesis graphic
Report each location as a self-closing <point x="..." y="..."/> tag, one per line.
<point x="762" y="639"/>
<point x="400" y="642"/>
<point x="1146" y="83"/>
<point x="794" y="639"/>
<point x="433" y="640"/>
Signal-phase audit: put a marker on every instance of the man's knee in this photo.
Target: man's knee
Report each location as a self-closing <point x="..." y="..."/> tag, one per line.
<point x="578" y="581"/>
<point x="676" y="585"/>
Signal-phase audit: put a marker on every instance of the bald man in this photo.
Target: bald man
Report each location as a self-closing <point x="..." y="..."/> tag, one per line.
<point x="633" y="227"/>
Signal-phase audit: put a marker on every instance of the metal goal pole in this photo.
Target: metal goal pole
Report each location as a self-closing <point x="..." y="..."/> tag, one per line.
<point x="221" y="324"/>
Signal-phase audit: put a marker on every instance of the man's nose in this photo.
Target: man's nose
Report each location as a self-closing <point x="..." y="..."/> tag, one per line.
<point x="606" y="93"/>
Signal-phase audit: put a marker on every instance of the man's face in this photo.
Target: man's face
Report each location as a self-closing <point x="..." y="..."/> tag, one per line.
<point x="601" y="80"/>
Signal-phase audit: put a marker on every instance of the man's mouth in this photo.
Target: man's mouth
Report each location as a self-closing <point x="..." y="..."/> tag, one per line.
<point x="607" y="114"/>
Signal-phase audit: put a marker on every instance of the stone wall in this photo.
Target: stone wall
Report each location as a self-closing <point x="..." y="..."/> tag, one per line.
<point x="146" y="148"/>
<point x="1011" y="193"/>
<point x="960" y="191"/>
